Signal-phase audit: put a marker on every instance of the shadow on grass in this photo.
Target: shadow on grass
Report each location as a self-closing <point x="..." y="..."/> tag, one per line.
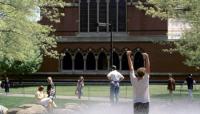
<point x="11" y="101"/>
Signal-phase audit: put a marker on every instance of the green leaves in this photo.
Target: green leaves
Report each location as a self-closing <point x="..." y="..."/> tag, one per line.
<point x="23" y="41"/>
<point x="187" y="10"/>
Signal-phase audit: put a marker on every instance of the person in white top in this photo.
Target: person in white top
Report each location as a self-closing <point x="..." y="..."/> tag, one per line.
<point x="3" y="110"/>
<point x="42" y="99"/>
<point x="115" y="77"/>
<point x="140" y="83"/>
<point x="79" y="87"/>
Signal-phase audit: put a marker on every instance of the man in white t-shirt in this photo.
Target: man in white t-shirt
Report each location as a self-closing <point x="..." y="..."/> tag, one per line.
<point x="115" y="77"/>
<point x="140" y="83"/>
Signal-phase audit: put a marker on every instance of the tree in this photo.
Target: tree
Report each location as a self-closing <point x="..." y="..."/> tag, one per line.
<point x="187" y="11"/>
<point x="24" y="41"/>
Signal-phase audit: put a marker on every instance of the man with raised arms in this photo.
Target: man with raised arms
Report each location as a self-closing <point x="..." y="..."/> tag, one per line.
<point x="140" y="83"/>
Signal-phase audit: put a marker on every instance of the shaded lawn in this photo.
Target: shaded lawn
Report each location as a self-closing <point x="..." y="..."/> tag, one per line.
<point x="11" y="101"/>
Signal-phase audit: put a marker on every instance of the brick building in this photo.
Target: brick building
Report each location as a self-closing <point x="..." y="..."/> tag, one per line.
<point x="87" y="46"/>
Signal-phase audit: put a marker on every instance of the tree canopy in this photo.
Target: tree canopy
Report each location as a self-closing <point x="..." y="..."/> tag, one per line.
<point x="24" y="41"/>
<point x="189" y="12"/>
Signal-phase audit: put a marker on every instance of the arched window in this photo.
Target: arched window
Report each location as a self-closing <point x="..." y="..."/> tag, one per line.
<point x="116" y="60"/>
<point x="67" y="62"/>
<point x="102" y="62"/>
<point x="124" y="62"/>
<point x="79" y="63"/>
<point x="138" y="60"/>
<point x="90" y="62"/>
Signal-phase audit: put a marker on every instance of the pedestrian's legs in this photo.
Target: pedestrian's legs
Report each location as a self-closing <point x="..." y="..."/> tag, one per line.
<point x="79" y="93"/>
<point x="117" y="93"/>
<point x="171" y="94"/>
<point x="190" y="93"/>
<point x="112" y="91"/>
<point x="146" y="108"/>
<point x="54" y="104"/>
<point x="6" y="90"/>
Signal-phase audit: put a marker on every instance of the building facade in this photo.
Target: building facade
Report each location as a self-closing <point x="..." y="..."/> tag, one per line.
<point x="87" y="44"/>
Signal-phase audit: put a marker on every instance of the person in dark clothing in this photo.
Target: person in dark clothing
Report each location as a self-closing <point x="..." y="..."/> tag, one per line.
<point x="6" y="85"/>
<point x="51" y="92"/>
<point x="190" y="83"/>
<point x="171" y="85"/>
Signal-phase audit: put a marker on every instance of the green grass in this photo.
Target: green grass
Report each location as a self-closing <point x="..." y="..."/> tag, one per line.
<point x="12" y="101"/>
<point x="15" y="101"/>
<point x="156" y="91"/>
<point x="104" y="90"/>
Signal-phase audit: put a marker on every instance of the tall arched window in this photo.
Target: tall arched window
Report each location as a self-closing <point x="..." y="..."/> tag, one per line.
<point x="93" y="15"/>
<point x="113" y="14"/>
<point x="116" y="60"/>
<point x="67" y="62"/>
<point x="83" y="16"/>
<point x="122" y="15"/>
<point x="79" y="63"/>
<point x="90" y="62"/>
<point x="102" y="14"/>
<point x="102" y="62"/>
<point x="104" y="11"/>
<point x="124" y="62"/>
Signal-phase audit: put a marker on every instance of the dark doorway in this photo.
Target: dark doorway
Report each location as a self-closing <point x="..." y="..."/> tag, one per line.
<point x="79" y="63"/>
<point x="124" y="62"/>
<point x="116" y="60"/>
<point x="102" y="62"/>
<point x="67" y="62"/>
<point x="138" y="60"/>
<point x="90" y="62"/>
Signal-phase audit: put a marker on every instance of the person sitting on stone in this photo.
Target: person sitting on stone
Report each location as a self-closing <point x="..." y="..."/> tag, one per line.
<point x="3" y="110"/>
<point x="43" y="99"/>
